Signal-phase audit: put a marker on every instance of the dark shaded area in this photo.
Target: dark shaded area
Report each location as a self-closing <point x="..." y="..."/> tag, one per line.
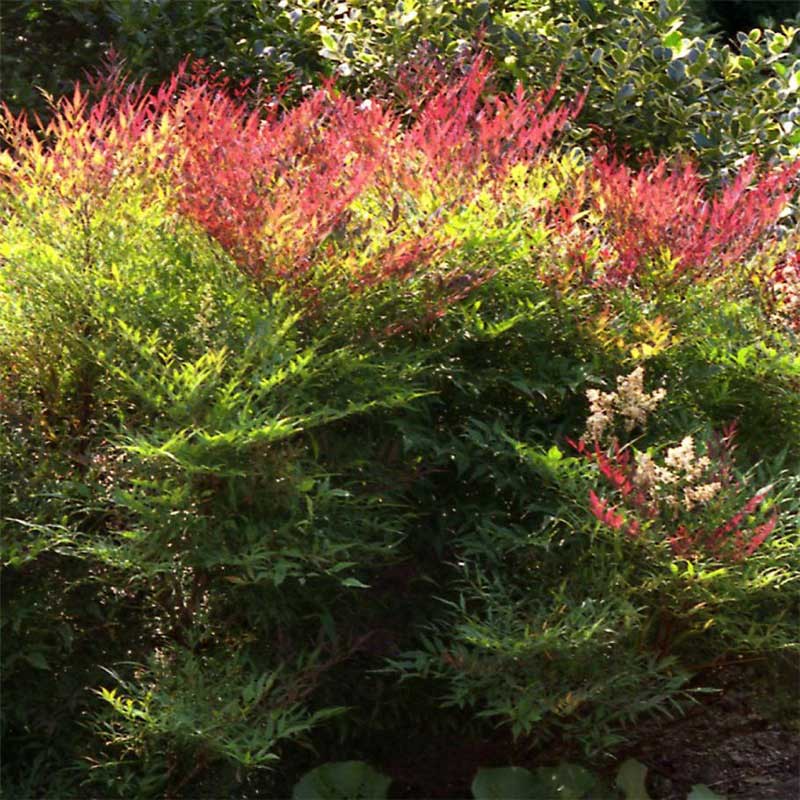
<point x="49" y="44"/>
<point x="741" y="741"/>
<point x="45" y="45"/>
<point x="733" y="16"/>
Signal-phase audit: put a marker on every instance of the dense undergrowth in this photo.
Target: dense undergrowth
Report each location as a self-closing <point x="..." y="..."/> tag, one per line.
<point x="332" y="422"/>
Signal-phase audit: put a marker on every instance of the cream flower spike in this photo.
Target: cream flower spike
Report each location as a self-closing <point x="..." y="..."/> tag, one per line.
<point x="630" y="401"/>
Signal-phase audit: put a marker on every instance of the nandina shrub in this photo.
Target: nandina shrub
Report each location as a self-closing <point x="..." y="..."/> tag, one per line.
<point x="283" y="190"/>
<point x="271" y="190"/>
<point x="95" y="140"/>
<point x="782" y="285"/>
<point x="176" y="468"/>
<point x="623" y="583"/>
<point x="251" y="450"/>
<point x="140" y="369"/>
<point x="280" y="188"/>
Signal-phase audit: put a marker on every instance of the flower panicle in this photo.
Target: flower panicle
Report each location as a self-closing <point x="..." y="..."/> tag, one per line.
<point x="657" y="490"/>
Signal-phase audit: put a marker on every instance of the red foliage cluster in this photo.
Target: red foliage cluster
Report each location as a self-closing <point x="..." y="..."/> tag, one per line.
<point x="462" y="131"/>
<point x="785" y="289"/>
<point x="282" y="189"/>
<point x="660" y="211"/>
<point x="273" y="189"/>
<point x="636" y="510"/>
<point x="726" y="540"/>
<point x="94" y="138"/>
<point x="279" y="188"/>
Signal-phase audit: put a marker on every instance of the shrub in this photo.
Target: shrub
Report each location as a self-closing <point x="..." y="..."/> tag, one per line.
<point x="286" y="398"/>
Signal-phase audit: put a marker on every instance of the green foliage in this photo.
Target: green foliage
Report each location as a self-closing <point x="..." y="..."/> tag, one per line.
<point x="345" y="780"/>
<point x="249" y="524"/>
<point x="631" y="779"/>
<point x="190" y="495"/>
<point x="351" y="780"/>
<point x="653" y="61"/>
<point x="569" y="781"/>
<point x="47" y="45"/>
<point x="499" y="782"/>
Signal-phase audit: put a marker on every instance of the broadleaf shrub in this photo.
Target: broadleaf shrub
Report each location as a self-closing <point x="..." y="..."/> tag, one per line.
<point x="654" y="61"/>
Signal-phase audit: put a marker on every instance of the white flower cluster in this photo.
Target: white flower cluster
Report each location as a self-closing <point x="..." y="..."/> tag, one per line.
<point x="683" y="459"/>
<point x="683" y="470"/>
<point x="697" y="495"/>
<point x="630" y="402"/>
<point x="680" y="480"/>
<point x="649" y="474"/>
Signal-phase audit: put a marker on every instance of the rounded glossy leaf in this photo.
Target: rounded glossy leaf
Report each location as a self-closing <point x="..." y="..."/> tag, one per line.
<point x="342" y="780"/>
<point x="701" y="792"/>
<point x="507" y="783"/>
<point x="626" y="91"/>
<point x="630" y="780"/>
<point x="567" y="781"/>
<point x="676" y="71"/>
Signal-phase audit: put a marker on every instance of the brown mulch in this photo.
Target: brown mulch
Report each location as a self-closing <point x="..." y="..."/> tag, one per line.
<point x="743" y="742"/>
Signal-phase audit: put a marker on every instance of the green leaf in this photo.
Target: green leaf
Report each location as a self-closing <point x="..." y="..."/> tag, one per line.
<point x="701" y="792"/>
<point x="342" y="780"/>
<point x="630" y="780"/>
<point x="626" y="90"/>
<point x="507" y="783"/>
<point x="37" y="659"/>
<point x="701" y="140"/>
<point x="354" y="583"/>
<point x="778" y="44"/>
<point x="554" y="454"/>
<point x="566" y="781"/>
<point x="328" y="42"/>
<point x="676" y="71"/>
